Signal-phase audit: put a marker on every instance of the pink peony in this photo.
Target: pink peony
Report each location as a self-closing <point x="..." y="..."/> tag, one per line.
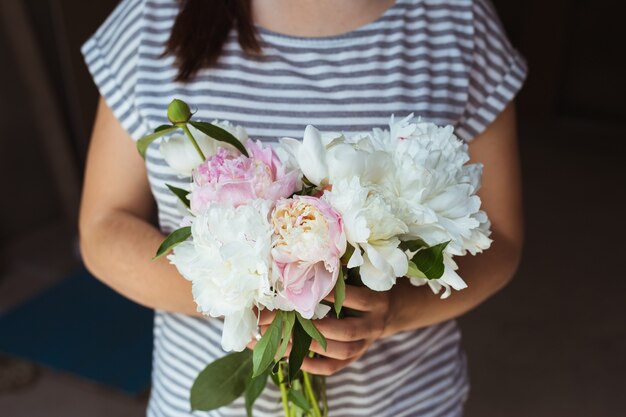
<point x="309" y="242"/>
<point x="230" y="178"/>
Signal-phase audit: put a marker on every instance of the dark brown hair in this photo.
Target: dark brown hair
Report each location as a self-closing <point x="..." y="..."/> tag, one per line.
<point x="201" y="29"/>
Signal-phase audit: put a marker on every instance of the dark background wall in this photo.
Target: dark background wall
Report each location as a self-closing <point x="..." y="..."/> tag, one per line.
<point x="551" y="344"/>
<point x="576" y="57"/>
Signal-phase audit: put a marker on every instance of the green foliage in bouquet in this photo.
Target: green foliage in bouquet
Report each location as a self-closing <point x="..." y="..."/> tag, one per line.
<point x="427" y="262"/>
<point x="179" y="114"/>
<point x="181" y="194"/>
<point x="222" y="382"/>
<point x="246" y="373"/>
<point x="176" y="237"/>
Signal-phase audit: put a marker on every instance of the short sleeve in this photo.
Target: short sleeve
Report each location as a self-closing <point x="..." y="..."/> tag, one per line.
<point x="496" y="72"/>
<point x="112" y="55"/>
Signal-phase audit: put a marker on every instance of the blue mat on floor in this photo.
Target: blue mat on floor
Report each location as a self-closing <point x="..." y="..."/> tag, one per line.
<point x="83" y="327"/>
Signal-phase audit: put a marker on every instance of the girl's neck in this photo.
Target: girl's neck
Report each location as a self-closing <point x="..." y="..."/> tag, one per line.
<point x="317" y="18"/>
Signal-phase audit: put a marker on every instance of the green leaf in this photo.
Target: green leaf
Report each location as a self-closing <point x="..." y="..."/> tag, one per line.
<point x="430" y="260"/>
<point x="274" y="377"/>
<point x="220" y="134"/>
<point x="310" y="328"/>
<point x="348" y="254"/>
<point x="254" y="390"/>
<point x="181" y="194"/>
<point x="307" y="183"/>
<point x="297" y="397"/>
<point x="176" y="237"/>
<point x="340" y="291"/>
<point x="300" y="343"/>
<point x="143" y="143"/>
<point x="289" y="318"/>
<point x="265" y="350"/>
<point x="414" y="271"/>
<point x="307" y="191"/>
<point x="163" y="127"/>
<point x="413" y="245"/>
<point x="222" y="382"/>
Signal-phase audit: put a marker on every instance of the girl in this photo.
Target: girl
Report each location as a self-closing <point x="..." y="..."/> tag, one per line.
<point x="274" y="66"/>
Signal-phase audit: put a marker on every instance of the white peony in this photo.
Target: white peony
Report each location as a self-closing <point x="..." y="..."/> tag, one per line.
<point x="435" y="189"/>
<point x="324" y="158"/>
<point x="436" y="192"/>
<point x="452" y="194"/>
<point x="387" y="140"/>
<point x="182" y="156"/>
<point x="422" y="170"/>
<point x="228" y="262"/>
<point x="372" y="229"/>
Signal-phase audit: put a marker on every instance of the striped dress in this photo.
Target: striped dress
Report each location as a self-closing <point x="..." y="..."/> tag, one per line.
<point x="447" y="61"/>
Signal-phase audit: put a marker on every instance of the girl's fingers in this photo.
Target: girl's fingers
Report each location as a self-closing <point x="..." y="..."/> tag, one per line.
<point x="339" y="350"/>
<point x="361" y="298"/>
<point x="254" y="341"/>
<point x="288" y="351"/>
<point x="324" y="366"/>
<point x="266" y="317"/>
<point x="251" y="344"/>
<point x="347" y="329"/>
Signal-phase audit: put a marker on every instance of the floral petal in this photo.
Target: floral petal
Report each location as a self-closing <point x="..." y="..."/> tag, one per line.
<point x="320" y="311"/>
<point x="356" y="259"/>
<point x="374" y="278"/>
<point x="239" y="329"/>
<point x="312" y="156"/>
<point x="180" y="154"/>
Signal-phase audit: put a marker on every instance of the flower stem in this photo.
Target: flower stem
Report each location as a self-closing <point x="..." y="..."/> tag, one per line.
<point x="308" y="388"/>
<point x="283" y="389"/>
<point x="193" y="140"/>
<point x="323" y="394"/>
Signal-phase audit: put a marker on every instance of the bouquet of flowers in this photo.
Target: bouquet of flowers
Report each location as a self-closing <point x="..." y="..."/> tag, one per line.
<point x="282" y="228"/>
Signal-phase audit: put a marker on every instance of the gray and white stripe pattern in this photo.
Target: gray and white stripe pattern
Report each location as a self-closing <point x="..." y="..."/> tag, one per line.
<point x="447" y="61"/>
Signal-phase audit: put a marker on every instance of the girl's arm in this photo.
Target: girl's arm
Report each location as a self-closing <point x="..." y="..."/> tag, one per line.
<point x="406" y="307"/>
<point x="488" y="272"/>
<point x="116" y="239"/>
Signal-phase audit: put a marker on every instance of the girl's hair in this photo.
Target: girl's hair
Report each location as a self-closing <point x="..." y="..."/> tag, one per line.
<point x="201" y="29"/>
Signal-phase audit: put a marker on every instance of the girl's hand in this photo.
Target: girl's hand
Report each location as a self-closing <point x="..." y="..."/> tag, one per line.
<point x="350" y="337"/>
<point x="266" y="318"/>
<point x="347" y="338"/>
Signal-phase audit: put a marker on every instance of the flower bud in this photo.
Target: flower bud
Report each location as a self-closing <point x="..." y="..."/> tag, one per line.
<point x="178" y="112"/>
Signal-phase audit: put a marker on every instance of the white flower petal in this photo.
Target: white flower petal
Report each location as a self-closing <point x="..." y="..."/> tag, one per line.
<point x="344" y="162"/>
<point x="388" y="258"/>
<point x="312" y="156"/>
<point x="180" y="155"/>
<point x="239" y="328"/>
<point x="450" y="277"/>
<point x="287" y="149"/>
<point x="356" y="259"/>
<point x="374" y="278"/>
<point x="436" y="286"/>
<point x="398" y="261"/>
<point x="418" y="282"/>
<point x="228" y="259"/>
<point x="329" y="138"/>
<point x="320" y="311"/>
